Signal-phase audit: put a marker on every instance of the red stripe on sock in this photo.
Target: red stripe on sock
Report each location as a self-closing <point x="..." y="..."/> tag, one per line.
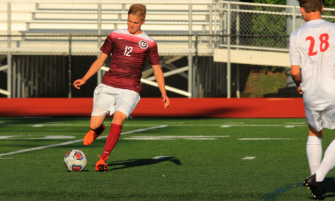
<point x="112" y="138"/>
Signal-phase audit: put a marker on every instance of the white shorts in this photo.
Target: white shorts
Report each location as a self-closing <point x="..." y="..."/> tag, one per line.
<point x="108" y="99"/>
<point x="321" y="119"/>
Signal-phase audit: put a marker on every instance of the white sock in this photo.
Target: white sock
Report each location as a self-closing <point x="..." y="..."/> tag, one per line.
<point x="314" y="153"/>
<point x="327" y="164"/>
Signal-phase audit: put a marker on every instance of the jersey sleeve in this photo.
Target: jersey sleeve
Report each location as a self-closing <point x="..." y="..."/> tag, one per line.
<point x="295" y="57"/>
<point x="153" y="54"/>
<point x="107" y="47"/>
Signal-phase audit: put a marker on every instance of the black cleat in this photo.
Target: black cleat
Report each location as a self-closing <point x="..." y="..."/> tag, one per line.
<point x="316" y="187"/>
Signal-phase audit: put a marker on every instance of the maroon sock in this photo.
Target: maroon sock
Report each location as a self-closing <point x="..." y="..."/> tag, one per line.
<point x="112" y="138"/>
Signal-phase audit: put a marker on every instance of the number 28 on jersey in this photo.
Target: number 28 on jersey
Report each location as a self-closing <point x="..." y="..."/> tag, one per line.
<point x="324" y="44"/>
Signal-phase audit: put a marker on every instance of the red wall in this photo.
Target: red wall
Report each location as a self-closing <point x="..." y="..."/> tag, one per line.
<point x="153" y="107"/>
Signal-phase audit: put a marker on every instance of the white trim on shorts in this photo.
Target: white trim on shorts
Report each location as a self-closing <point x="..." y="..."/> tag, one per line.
<point x="321" y="119"/>
<point x="109" y="99"/>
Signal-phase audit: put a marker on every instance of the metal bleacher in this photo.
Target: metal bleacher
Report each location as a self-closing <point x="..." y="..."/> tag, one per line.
<point x="79" y="28"/>
<point x="85" y="18"/>
<point x="168" y="24"/>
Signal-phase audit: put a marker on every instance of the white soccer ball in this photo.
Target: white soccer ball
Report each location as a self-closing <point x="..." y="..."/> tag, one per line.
<point x="75" y="160"/>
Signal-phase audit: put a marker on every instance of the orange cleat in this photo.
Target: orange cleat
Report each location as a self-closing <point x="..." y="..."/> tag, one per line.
<point x="91" y="136"/>
<point x="101" y="165"/>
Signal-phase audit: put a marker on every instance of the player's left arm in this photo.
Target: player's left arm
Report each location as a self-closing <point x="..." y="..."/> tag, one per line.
<point x="296" y="76"/>
<point x="161" y="84"/>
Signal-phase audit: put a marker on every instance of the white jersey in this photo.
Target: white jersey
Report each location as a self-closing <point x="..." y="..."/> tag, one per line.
<point x="313" y="47"/>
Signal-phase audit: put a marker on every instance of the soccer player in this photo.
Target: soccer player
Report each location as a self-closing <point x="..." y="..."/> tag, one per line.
<point x="313" y="46"/>
<point x="118" y="93"/>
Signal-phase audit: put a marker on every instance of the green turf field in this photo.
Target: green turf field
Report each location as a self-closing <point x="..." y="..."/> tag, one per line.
<point x="204" y="159"/>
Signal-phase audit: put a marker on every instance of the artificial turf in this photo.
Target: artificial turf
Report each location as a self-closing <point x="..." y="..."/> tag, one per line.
<point x="187" y="159"/>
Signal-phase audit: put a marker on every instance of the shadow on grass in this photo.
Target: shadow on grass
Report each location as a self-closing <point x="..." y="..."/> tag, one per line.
<point x="142" y="162"/>
<point x="329" y="184"/>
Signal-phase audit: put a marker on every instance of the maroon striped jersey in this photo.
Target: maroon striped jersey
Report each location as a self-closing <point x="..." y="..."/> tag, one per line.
<point x="129" y="53"/>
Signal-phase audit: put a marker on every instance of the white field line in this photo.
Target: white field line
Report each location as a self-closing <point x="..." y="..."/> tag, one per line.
<point x="265" y="138"/>
<point x="75" y="141"/>
<point x="38" y="125"/>
<point x="249" y="158"/>
<point x="262" y="125"/>
<point x="160" y="157"/>
<point x="41" y="147"/>
<point x="35" y="137"/>
<point x="173" y="137"/>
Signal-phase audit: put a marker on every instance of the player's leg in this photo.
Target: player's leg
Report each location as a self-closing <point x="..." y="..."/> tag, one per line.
<point x="328" y="161"/>
<point x="96" y="121"/>
<point x="114" y="133"/>
<point x="103" y="102"/>
<point x="119" y="118"/>
<point x="126" y="102"/>
<point x="319" y="120"/>
<point x="96" y="129"/>
<point x="314" y="155"/>
<point x="327" y="164"/>
<point x="112" y="139"/>
<point x="314" y="140"/>
<point x="314" y="148"/>
<point x="315" y="181"/>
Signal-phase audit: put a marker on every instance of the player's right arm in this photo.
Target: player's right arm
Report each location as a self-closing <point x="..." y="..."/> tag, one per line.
<point x="295" y="60"/>
<point x="161" y="84"/>
<point x="296" y="76"/>
<point x="93" y="69"/>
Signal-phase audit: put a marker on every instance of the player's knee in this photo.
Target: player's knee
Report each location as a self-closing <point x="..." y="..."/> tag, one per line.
<point x="118" y="121"/>
<point x="313" y="132"/>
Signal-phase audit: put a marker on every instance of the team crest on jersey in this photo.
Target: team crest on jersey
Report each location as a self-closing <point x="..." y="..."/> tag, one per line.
<point x="143" y="44"/>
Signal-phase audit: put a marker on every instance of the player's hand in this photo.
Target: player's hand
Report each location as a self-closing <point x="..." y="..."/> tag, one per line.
<point x="299" y="89"/>
<point x="78" y="83"/>
<point x="166" y="101"/>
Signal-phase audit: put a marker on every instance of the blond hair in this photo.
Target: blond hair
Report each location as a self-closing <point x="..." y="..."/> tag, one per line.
<point x="138" y="10"/>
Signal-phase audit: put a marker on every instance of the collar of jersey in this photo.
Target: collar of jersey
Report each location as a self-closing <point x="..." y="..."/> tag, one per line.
<point x="315" y="21"/>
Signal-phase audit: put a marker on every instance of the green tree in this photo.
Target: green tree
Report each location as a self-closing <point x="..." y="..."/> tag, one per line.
<point x="329" y="3"/>
<point x="279" y="2"/>
<point x="326" y="3"/>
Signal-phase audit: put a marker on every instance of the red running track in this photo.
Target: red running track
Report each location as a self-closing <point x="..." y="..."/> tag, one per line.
<point x="153" y="107"/>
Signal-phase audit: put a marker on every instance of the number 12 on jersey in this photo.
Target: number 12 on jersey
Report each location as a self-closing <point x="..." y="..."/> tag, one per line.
<point x="324" y="45"/>
<point x="127" y="50"/>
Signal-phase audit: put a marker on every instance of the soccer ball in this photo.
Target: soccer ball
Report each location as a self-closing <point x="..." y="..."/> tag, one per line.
<point x="75" y="160"/>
